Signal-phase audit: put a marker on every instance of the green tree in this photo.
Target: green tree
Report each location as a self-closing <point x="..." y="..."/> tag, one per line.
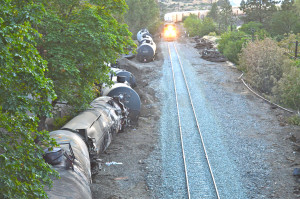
<point x="24" y="92"/>
<point x="207" y="26"/>
<point x="142" y="14"/>
<point x="192" y="24"/>
<point x="258" y="10"/>
<point x="79" y="38"/>
<point x="251" y="27"/>
<point x="214" y="12"/>
<point x="196" y="26"/>
<point x="285" y="20"/>
<point x="225" y="15"/>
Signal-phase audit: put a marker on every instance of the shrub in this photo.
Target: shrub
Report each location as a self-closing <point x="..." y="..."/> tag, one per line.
<point x="251" y="27"/>
<point x="60" y="121"/>
<point x="294" y="120"/>
<point x="232" y="50"/>
<point x="287" y="92"/>
<point x="207" y="26"/>
<point x="231" y="44"/>
<point x="192" y="25"/>
<point x="212" y="34"/>
<point x="197" y="27"/>
<point x="288" y="43"/>
<point x="262" y="61"/>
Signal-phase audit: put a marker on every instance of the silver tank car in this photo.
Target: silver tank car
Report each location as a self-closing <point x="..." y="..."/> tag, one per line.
<point x="81" y="140"/>
<point x="72" y="162"/>
<point x="146" y="51"/>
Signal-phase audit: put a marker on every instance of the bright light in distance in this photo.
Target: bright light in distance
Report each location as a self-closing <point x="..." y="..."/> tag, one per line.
<point x="170" y="31"/>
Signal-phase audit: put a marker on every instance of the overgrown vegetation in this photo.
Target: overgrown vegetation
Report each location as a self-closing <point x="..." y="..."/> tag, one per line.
<point x="231" y="43"/>
<point x="49" y="51"/>
<point x="198" y="27"/>
<point x="269" y="66"/>
<point x="23" y="89"/>
<point x="263" y="62"/>
<point x="142" y="14"/>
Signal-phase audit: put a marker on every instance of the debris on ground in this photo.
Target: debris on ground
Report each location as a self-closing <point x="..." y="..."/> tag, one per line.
<point x="208" y="49"/>
<point x="213" y="55"/>
<point x="204" y="44"/>
<point x="112" y="163"/>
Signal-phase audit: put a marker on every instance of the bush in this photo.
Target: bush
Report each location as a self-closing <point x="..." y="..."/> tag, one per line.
<point x="231" y="43"/>
<point x="207" y="26"/>
<point x="212" y="34"/>
<point x="251" y="27"/>
<point x="287" y="92"/>
<point x="232" y="50"/>
<point x="263" y="62"/>
<point x="288" y="43"/>
<point x="294" y="120"/>
<point x="197" y="27"/>
<point x="60" y="121"/>
<point x="192" y="25"/>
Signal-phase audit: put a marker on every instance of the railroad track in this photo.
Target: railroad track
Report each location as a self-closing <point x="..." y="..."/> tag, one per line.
<point x="200" y="181"/>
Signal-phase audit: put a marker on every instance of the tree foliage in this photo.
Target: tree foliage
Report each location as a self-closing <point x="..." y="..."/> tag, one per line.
<point x="214" y="12"/>
<point x="225" y="15"/>
<point x="196" y="26"/>
<point x="251" y="27"/>
<point x="231" y="43"/>
<point x="24" y="95"/>
<point x="285" y="20"/>
<point x="258" y="10"/>
<point x="142" y="14"/>
<point x="79" y="39"/>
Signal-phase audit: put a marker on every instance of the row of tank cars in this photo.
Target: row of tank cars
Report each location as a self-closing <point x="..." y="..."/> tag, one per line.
<point x="146" y="48"/>
<point x="88" y="134"/>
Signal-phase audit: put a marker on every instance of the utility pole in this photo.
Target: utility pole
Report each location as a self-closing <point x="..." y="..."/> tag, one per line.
<point x="296" y="50"/>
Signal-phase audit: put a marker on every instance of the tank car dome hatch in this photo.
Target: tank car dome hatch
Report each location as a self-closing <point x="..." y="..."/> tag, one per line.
<point x="141" y="33"/>
<point x="145" y="37"/>
<point x="131" y="99"/>
<point x="128" y="76"/>
<point x="76" y="181"/>
<point x="121" y="79"/>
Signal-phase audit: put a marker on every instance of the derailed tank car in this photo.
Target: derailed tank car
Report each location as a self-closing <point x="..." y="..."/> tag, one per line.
<point x="84" y="137"/>
<point x="147" y="47"/>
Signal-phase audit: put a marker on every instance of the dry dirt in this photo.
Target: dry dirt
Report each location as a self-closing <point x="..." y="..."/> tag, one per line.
<point x="130" y="149"/>
<point x="135" y="144"/>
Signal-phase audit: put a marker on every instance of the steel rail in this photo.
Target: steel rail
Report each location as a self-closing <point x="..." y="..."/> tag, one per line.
<point x="180" y="129"/>
<point x="198" y="127"/>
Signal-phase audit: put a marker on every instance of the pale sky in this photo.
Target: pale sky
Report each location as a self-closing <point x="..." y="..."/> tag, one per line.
<point x="235" y="2"/>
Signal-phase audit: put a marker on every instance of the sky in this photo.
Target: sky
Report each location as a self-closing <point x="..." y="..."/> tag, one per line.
<point x="235" y="2"/>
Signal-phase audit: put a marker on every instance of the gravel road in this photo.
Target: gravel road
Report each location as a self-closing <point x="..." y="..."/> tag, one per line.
<point x="252" y="150"/>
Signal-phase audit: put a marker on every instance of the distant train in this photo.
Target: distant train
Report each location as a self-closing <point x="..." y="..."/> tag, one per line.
<point x="88" y="134"/>
<point x="176" y="17"/>
<point x="147" y="47"/>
